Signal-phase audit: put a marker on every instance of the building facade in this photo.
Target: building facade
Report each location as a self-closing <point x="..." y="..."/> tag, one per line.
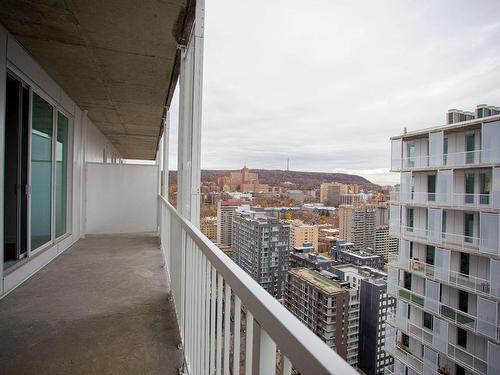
<point x="330" y="192"/>
<point x="225" y="215"/>
<point x="446" y="275"/>
<point x="208" y="226"/>
<point x="357" y="225"/>
<point x="322" y="304"/>
<point x="301" y="233"/>
<point x="385" y="244"/>
<point x="261" y="248"/>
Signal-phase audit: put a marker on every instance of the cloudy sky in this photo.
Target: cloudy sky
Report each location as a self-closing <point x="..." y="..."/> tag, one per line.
<point x="326" y="83"/>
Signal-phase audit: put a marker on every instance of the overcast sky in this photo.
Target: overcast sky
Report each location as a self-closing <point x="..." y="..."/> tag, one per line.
<point x="326" y="83"/>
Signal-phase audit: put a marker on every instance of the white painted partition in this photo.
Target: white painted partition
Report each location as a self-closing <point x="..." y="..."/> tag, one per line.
<point x="121" y="198"/>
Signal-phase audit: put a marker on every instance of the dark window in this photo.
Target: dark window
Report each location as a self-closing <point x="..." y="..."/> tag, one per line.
<point x="463" y="301"/>
<point x="405" y="339"/>
<point x="468" y="227"/>
<point x="428" y="320"/>
<point x="431" y="187"/>
<point x="485" y="187"/>
<point x="445" y="151"/>
<point x="464" y="263"/>
<point x="469" y="147"/>
<point x="407" y="280"/>
<point x="430" y="254"/>
<point x="469" y="187"/>
<point x="462" y="337"/>
<point x="409" y="217"/>
<point x="459" y="370"/>
<point x="411" y="249"/>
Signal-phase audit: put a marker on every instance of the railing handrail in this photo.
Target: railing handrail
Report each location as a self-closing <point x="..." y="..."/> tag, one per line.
<point x="285" y="329"/>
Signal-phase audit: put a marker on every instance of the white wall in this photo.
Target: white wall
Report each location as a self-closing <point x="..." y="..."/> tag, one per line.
<point x="121" y="198"/>
<point x="84" y="136"/>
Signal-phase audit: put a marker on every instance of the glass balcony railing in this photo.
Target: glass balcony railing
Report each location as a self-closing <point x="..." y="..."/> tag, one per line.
<point x="456" y="279"/>
<point x="435" y="237"/>
<point x="458" y="200"/>
<point x="454" y="159"/>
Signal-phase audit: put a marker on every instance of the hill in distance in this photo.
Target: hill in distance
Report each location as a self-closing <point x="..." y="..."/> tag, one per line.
<point x="277" y="177"/>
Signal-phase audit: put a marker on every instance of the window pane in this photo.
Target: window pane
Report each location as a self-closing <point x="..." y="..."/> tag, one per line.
<point x="41" y="172"/>
<point x="61" y="173"/>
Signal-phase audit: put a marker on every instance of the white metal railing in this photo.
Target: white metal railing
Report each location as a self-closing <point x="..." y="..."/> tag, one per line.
<point x="461" y="158"/>
<point x="216" y="301"/>
<point x="462" y="200"/>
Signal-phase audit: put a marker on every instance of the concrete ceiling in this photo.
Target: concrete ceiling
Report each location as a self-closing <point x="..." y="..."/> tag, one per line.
<point x="117" y="59"/>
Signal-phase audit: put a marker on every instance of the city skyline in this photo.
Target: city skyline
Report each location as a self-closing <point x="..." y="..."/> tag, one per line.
<point x="382" y="67"/>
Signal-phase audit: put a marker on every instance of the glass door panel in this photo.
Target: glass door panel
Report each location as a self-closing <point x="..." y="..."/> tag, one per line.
<point x="469" y="188"/>
<point x="468" y="227"/>
<point x="484" y="187"/>
<point x="41" y="172"/>
<point x="469" y="147"/>
<point x="431" y="187"/>
<point x="61" y="174"/>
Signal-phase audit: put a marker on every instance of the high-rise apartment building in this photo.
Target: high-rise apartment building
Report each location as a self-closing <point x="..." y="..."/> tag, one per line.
<point x="261" y="248"/>
<point x="301" y="233"/>
<point x="357" y="225"/>
<point x="322" y="304"/>
<point x="225" y="215"/>
<point x="446" y="276"/>
<point x="385" y="244"/>
<point x="374" y="303"/>
<point x="330" y="192"/>
<point x="208" y="226"/>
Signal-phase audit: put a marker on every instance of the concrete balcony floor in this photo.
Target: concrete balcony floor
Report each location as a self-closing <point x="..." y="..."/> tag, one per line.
<point x="101" y="307"/>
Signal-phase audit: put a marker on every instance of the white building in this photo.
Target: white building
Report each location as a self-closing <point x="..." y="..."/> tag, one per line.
<point x="446" y="276"/>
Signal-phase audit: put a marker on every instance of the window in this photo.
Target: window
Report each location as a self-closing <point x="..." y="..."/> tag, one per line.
<point x="409" y="218"/>
<point x="463" y="301"/>
<point x="41" y="172"/>
<point x="462" y="337"/>
<point x="468" y="227"/>
<point x="431" y="188"/>
<point x="407" y="280"/>
<point x="469" y="148"/>
<point x="405" y="340"/>
<point x="428" y="320"/>
<point x="469" y="188"/>
<point x="459" y="370"/>
<point x="411" y="155"/>
<point x="484" y="187"/>
<point x="430" y="253"/>
<point x="464" y="263"/>
<point x="61" y="174"/>
<point x="445" y="150"/>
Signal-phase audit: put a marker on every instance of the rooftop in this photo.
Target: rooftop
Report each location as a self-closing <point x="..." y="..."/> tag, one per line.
<point x="315" y="278"/>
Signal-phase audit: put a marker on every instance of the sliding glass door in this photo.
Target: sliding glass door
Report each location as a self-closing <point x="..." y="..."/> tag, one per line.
<point x="41" y="172"/>
<point x="61" y="173"/>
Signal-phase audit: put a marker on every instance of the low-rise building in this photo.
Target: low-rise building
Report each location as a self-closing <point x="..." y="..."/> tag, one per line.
<point x="311" y="261"/>
<point x="343" y="254"/>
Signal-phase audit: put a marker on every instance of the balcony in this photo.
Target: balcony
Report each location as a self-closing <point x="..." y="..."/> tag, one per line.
<point x="456" y="200"/>
<point x="452" y="278"/>
<point x="426" y="336"/>
<point x="100" y="307"/>
<point x="448" y="313"/>
<point x="453" y="159"/>
<point x="454" y="241"/>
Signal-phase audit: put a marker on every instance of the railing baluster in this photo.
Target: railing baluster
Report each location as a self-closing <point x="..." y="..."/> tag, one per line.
<point x="227" y="327"/>
<point x="267" y="354"/>
<point x="249" y="343"/>
<point x="206" y="345"/>
<point x="287" y="366"/>
<point x="218" y="369"/>
<point x="197" y="310"/>
<point x="213" y="301"/>
<point x="237" y="328"/>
